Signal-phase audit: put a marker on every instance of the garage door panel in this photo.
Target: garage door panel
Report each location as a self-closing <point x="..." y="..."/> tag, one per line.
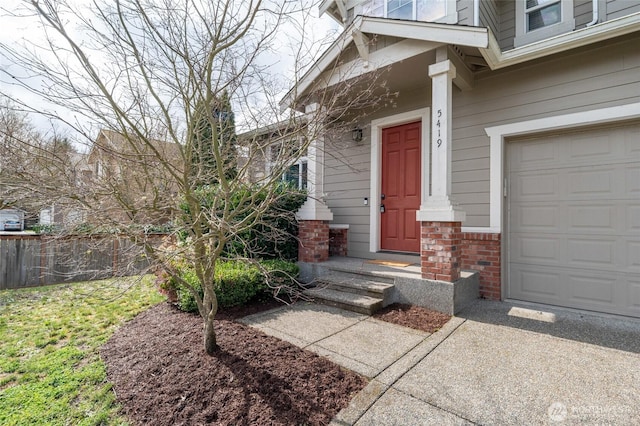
<point x="573" y="219"/>
<point x="594" y="147"/>
<point x="530" y="218"/>
<point x="535" y="249"/>
<point x="632" y="249"/>
<point x="591" y="183"/>
<point x="632" y="181"/>
<point x="536" y="187"/>
<point x="633" y="297"/>
<point x="533" y="284"/>
<point x="633" y="219"/>
<point x="536" y="153"/>
<point x="592" y="219"/>
<point x="583" y="252"/>
<point x="589" y="290"/>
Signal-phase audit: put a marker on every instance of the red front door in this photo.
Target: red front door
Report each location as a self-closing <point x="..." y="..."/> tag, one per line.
<point x="400" y="188"/>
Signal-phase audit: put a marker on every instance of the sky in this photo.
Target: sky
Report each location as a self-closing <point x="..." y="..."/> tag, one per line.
<point x="13" y="30"/>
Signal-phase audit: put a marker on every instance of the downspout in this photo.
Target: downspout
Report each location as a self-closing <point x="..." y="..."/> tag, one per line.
<point x="476" y="12"/>
<point x="596" y="18"/>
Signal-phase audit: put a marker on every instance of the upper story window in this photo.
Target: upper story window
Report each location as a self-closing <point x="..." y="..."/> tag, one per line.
<point x="417" y="10"/>
<point x="540" y="19"/>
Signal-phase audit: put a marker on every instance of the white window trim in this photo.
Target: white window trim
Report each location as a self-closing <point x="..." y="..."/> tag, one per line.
<point x="450" y="17"/>
<point x="423" y="115"/>
<point x="523" y="37"/>
<point x="498" y="134"/>
<point x="299" y="162"/>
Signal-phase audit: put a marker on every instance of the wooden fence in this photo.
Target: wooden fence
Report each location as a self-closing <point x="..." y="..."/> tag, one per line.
<point x="34" y="260"/>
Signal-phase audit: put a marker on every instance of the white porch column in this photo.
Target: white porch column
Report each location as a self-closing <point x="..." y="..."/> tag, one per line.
<point x="438" y="206"/>
<point x="314" y="207"/>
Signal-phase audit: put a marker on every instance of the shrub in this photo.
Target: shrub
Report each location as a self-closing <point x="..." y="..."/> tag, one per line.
<point x="235" y="282"/>
<point x="281" y="272"/>
<point x="273" y="236"/>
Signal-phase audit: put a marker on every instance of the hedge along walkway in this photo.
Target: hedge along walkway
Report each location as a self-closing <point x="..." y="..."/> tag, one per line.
<point x="50" y="367"/>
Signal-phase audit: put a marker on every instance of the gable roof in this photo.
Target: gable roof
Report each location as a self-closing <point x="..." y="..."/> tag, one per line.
<point x="117" y="144"/>
<point x="421" y="36"/>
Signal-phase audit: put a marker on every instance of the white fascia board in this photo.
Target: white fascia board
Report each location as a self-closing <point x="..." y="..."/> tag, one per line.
<point x="439" y="33"/>
<point x="396" y="52"/>
<point x="497" y="59"/>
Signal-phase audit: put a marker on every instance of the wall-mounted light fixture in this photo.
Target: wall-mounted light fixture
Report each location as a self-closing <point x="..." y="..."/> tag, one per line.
<point x="356" y="134"/>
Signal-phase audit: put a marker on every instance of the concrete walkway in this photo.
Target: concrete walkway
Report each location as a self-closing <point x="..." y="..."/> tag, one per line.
<point x="495" y="363"/>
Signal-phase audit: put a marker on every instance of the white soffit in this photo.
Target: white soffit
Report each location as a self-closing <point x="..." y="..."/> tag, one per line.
<point x="617" y="27"/>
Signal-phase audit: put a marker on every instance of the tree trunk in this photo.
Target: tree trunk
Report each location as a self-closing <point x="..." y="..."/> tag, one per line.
<point x="210" y="344"/>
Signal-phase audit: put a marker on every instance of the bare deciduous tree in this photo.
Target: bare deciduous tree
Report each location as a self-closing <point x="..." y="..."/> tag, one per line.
<point x="150" y="73"/>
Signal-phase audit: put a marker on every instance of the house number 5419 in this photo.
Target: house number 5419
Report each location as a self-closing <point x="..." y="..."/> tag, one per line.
<point x="439" y="141"/>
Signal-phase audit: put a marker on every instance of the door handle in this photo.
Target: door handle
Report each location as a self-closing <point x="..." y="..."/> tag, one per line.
<point x="382" y="196"/>
<point x="381" y="208"/>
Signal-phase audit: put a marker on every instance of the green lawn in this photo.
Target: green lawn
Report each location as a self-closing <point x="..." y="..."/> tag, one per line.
<point x="50" y="367"/>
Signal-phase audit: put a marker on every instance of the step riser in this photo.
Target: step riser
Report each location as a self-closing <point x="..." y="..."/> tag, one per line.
<point x="355" y="290"/>
<point x="362" y="275"/>
<point x="359" y="309"/>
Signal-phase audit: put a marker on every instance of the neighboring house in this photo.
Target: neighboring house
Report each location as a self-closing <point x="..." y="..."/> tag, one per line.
<point x="513" y="148"/>
<point x="129" y="181"/>
<point x="61" y="214"/>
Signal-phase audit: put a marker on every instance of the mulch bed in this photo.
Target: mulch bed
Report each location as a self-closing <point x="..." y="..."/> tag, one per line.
<point x="162" y="376"/>
<point x="413" y="316"/>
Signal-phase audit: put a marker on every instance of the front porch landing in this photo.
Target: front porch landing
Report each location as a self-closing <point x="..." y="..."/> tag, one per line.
<point x="409" y="286"/>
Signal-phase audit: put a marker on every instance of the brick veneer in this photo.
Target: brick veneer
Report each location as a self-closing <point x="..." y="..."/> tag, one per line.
<point x="440" y="250"/>
<point x="338" y="241"/>
<point x="481" y="252"/>
<point x="313" y="241"/>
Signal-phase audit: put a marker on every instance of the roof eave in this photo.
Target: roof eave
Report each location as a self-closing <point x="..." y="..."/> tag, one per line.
<point x="497" y="59"/>
<point x="423" y="31"/>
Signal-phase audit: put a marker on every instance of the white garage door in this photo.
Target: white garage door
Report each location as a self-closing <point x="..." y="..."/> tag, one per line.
<point x="574" y="219"/>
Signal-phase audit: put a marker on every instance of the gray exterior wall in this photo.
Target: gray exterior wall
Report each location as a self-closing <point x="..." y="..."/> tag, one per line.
<point x="490" y="15"/>
<point x="507" y="20"/>
<point x="500" y="16"/>
<point x="465" y="12"/>
<point x="590" y="78"/>
<point x="593" y="77"/>
<point x="619" y="8"/>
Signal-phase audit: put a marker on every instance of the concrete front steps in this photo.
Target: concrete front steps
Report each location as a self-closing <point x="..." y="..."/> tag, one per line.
<point x="353" y="291"/>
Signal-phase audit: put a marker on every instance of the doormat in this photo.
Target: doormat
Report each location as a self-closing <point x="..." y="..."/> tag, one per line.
<point x="389" y="263"/>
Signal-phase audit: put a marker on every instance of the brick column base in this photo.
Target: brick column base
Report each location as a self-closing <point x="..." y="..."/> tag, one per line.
<point x="440" y="250"/>
<point x="338" y="242"/>
<point x="313" y="241"/>
<point x="482" y="253"/>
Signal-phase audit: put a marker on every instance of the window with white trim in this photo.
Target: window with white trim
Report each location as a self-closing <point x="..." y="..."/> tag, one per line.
<point x="296" y="173"/>
<point x="540" y="19"/>
<point x="443" y="11"/>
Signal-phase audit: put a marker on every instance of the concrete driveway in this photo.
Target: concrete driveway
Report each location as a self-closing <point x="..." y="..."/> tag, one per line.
<point x="495" y="363"/>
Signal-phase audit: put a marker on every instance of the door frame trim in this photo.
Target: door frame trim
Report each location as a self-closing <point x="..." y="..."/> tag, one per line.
<point x="424" y="116"/>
